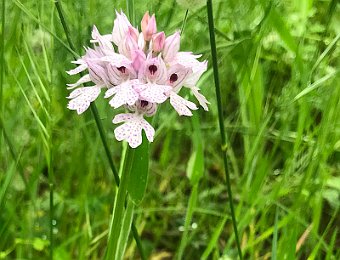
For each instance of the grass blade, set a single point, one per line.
(221, 121)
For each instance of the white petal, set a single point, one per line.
(116, 59)
(198, 70)
(131, 132)
(122, 118)
(83, 98)
(155, 93)
(75, 93)
(201, 99)
(80, 68)
(181, 105)
(110, 92)
(82, 80)
(79, 61)
(149, 130)
(124, 94)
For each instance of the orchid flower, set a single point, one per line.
(140, 71)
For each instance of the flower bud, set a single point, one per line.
(120, 28)
(148, 26)
(171, 47)
(129, 43)
(158, 41)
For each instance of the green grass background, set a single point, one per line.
(279, 73)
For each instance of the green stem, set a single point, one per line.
(221, 120)
(117, 217)
(101, 130)
(131, 11)
(105, 144)
(184, 21)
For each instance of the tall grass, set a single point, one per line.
(278, 68)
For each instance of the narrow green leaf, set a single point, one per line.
(125, 230)
(213, 241)
(138, 178)
(195, 168)
(315, 85)
(119, 209)
(275, 235)
(325, 52)
(331, 245)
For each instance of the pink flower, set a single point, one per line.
(148, 25)
(140, 71)
(187, 59)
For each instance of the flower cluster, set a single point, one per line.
(139, 71)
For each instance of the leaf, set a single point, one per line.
(139, 172)
(195, 168)
(315, 85)
(125, 230)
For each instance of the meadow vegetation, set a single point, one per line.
(279, 76)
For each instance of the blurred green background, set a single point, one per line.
(279, 72)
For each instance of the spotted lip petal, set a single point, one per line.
(123, 94)
(131, 129)
(81, 98)
(181, 105)
(154, 93)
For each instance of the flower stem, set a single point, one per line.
(221, 121)
(117, 217)
(101, 130)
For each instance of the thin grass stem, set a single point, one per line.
(184, 21)
(131, 11)
(221, 121)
